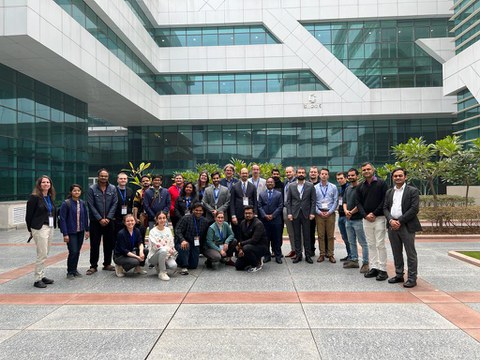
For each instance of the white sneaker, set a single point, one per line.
(119, 271)
(255, 269)
(140, 271)
(184, 271)
(163, 276)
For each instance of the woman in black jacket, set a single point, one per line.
(41, 219)
(188, 197)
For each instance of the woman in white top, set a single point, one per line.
(162, 251)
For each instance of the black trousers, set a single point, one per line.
(400, 239)
(96, 233)
(301, 226)
(252, 254)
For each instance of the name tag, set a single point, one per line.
(324, 205)
(124, 209)
(50, 221)
(340, 201)
(245, 201)
(196, 241)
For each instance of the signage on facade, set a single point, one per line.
(312, 103)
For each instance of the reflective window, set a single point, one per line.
(382, 53)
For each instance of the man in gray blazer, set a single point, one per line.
(242, 194)
(401, 208)
(216, 198)
(301, 202)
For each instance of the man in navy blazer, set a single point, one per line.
(270, 211)
(301, 203)
(401, 208)
(242, 194)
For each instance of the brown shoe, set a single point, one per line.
(109, 268)
(364, 269)
(291, 254)
(321, 258)
(332, 259)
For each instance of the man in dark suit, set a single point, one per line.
(216, 198)
(242, 194)
(270, 211)
(301, 202)
(401, 209)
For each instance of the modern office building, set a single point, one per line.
(92, 83)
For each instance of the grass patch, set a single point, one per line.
(473, 254)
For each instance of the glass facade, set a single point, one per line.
(383, 53)
(467, 124)
(44, 131)
(466, 21)
(181, 84)
(87, 18)
(214, 36)
(336, 144)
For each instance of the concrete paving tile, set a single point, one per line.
(243, 281)
(239, 297)
(464, 281)
(6, 334)
(380, 316)
(84, 317)
(74, 344)
(459, 314)
(14, 317)
(466, 296)
(476, 307)
(239, 316)
(434, 296)
(356, 297)
(235, 344)
(396, 344)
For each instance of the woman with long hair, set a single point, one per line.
(162, 251)
(74, 226)
(188, 197)
(202, 183)
(41, 220)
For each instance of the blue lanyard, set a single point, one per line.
(48, 203)
(244, 187)
(196, 226)
(132, 238)
(122, 195)
(215, 194)
(258, 183)
(324, 193)
(188, 200)
(220, 233)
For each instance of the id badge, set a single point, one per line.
(50, 221)
(196, 241)
(245, 201)
(187, 212)
(324, 205)
(124, 209)
(340, 201)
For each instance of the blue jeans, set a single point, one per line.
(342, 226)
(188, 258)
(74, 245)
(355, 231)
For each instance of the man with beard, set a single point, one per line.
(215, 199)
(301, 202)
(289, 179)
(243, 194)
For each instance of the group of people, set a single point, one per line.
(235, 221)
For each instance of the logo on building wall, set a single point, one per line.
(312, 103)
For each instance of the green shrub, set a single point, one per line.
(451, 216)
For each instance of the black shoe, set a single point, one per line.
(410, 283)
(278, 260)
(344, 258)
(371, 273)
(308, 259)
(382, 275)
(208, 264)
(396, 279)
(267, 259)
(297, 259)
(40, 284)
(47, 281)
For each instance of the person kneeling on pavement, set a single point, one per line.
(253, 243)
(190, 235)
(161, 252)
(219, 245)
(129, 252)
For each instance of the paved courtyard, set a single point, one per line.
(287, 311)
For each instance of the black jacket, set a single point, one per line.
(410, 207)
(37, 213)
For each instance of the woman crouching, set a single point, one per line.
(162, 251)
(129, 250)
